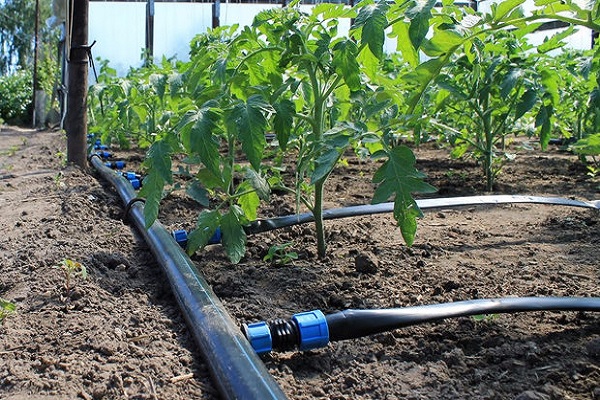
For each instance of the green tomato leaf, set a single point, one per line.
(542, 120)
(504, 8)
(373, 21)
(399, 178)
(234, 236)
(509, 81)
(285, 110)
(259, 184)
(403, 45)
(196, 130)
(152, 189)
(419, 26)
(251, 125)
(324, 164)
(249, 203)
(198, 193)
(526, 103)
(344, 61)
(588, 146)
(206, 226)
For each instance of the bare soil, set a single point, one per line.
(119, 334)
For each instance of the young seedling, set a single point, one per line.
(279, 255)
(71, 270)
(6, 308)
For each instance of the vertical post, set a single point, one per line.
(149, 32)
(77, 86)
(216, 14)
(36, 84)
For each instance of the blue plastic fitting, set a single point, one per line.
(135, 183)
(259, 336)
(103, 154)
(216, 237)
(130, 175)
(116, 164)
(180, 236)
(313, 329)
(100, 147)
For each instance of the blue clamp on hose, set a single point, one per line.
(259, 336)
(313, 329)
(130, 175)
(103, 154)
(180, 236)
(216, 237)
(100, 147)
(135, 183)
(116, 164)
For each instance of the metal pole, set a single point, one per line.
(35, 62)
(76, 119)
(216, 14)
(149, 32)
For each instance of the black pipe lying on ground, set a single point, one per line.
(237, 370)
(312, 329)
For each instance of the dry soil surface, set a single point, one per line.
(119, 334)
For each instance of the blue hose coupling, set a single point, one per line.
(115, 164)
(136, 183)
(305, 331)
(103, 154)
(314, 332)
(181, 237)
(100, 147)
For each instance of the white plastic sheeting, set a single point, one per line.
(119, 28)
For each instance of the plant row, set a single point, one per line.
(289, 87)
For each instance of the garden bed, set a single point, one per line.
(121, 334)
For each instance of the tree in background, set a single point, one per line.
(17, 46)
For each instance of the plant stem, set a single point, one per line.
(319, 185)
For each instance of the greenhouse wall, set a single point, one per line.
(119, 28)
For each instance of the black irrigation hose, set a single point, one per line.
(264, 225)
(310, 330)
(237, 370)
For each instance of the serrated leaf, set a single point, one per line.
(372, 18)
(555, 41)
(285, 110)
(399, 178)
(420, 7)
(152, 191)
(249, 202)
(588, 146)
(196, 130)
(324, 164)
(259, 184)
(251, 125)
(526, 103)
(198, 193)
(206, 226)
(542, 120)
(234, 236)
(344, 61)
(159, 83)
(509, 81)
(505, 7)
(419, 26)
(403, 45)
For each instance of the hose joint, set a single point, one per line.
(305, 331)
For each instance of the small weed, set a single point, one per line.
(6, 308)
(278, 254)
(71, 270)
(62, 157)
(485, 317)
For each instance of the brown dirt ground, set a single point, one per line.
(121, 335)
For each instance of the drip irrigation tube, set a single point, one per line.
(264, 225)
(237, 370)
(312, 329)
